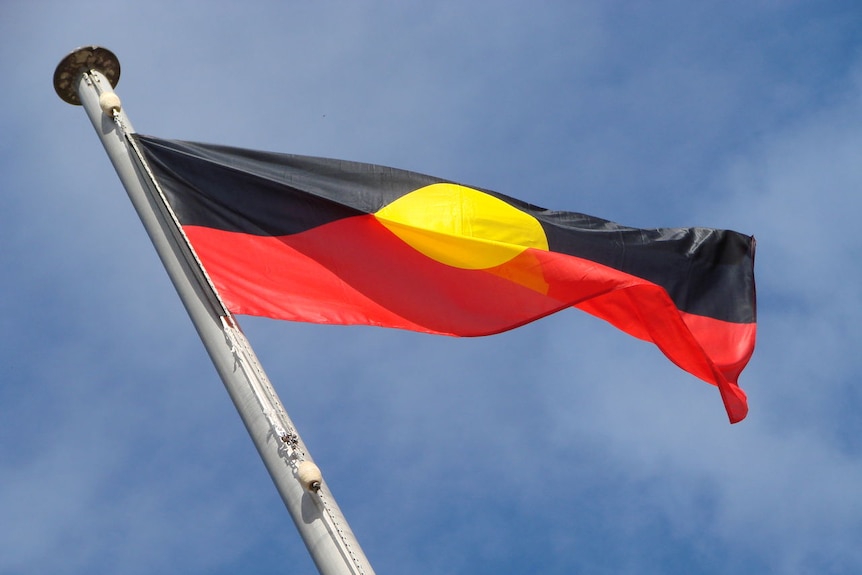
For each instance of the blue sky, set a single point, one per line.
(560, 447)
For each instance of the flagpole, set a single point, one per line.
(87, 77)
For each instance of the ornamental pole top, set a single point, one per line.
(80, 61)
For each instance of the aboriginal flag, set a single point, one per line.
(330, 241)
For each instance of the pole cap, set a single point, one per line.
(80, 61)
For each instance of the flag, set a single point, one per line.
(338, 242)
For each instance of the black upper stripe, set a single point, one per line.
(706, 271)
(264, 193)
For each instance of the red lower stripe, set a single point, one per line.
(354, 271)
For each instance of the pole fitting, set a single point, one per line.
(110, 104)
(79, 62)
(309, 475)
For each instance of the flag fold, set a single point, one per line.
(331, 241)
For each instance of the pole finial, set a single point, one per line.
(83, 60)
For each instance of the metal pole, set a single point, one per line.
(87, 77)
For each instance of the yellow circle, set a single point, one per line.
(462, 227)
